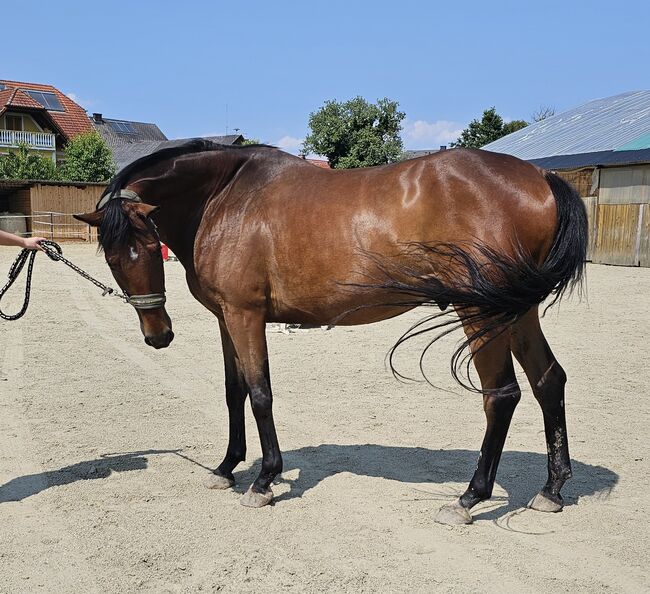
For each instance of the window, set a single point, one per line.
(122, 127)
(47, 100)
(14, 122)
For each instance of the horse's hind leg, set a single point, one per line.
(495, 368)
(547, 380)
(236, 392)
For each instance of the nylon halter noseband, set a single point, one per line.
(152, 300)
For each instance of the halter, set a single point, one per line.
(152, 300)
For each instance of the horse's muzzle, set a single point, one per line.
(160, 341)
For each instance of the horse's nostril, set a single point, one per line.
(147, 341)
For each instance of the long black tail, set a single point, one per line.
(489, 290)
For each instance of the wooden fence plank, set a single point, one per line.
(616, 234)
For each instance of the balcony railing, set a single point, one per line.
(35, 140)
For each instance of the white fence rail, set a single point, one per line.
(36, 140)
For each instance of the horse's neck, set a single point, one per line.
(182, 190)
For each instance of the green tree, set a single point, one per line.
(248, 141)
(513, 126)
(489, 128)
(25, 164)
(356, 133)
(87, 159)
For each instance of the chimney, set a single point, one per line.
(97, 118)
(443, 147)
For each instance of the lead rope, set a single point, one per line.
(54, 252)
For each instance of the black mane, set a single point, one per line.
(196, 145)
(115, 228)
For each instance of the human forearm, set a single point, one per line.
(23, 242)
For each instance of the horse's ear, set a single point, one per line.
(93, 219)
(140, 208)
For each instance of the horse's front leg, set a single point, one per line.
(236, 392)
(247, 331)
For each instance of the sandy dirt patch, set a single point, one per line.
(104, 443)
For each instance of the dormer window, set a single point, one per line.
(47, 100)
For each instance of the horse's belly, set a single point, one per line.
(340, 309)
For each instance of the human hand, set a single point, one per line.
(32, 243)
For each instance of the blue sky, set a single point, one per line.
(200, 68)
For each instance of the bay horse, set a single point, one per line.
(265, 236)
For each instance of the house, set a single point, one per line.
(603, 148)
(120, 132)
(40, 116)
(414, 154)
(322, 163)
(126, 153)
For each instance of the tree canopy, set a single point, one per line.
(356, 133)
(87, 159)
(489, 128)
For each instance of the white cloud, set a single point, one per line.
(85, 103)
(291, 144)
(421, 134)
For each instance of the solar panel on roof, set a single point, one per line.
(122, 127)
(47, 100)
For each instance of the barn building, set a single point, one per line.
(603, 148)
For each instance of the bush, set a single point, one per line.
(24, 164)
(87, 159)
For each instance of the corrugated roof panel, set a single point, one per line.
(600, 125)
(596, 159)
(642, 142)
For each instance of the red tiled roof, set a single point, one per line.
(319, 163)
(72, 121)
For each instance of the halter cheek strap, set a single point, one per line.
(152, 300)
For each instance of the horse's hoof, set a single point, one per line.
(542, 503)
(254, 499)
(216, 481)
(453, 515)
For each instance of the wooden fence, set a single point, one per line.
(48, 209)
(618, 233)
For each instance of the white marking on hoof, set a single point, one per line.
(453, 515)
(254, 499)
(544, 504)
(216, 481)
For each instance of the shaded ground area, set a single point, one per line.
(104, 442)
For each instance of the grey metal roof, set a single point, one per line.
(414, 154)
(601, 125)
(142, 131)
(596, 159)
(125, 154)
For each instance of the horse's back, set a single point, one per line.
(296, 235)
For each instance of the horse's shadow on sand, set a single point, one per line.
(521, 474)
(25, 486)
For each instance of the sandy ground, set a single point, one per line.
(104, 444)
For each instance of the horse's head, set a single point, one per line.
(131, 246)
